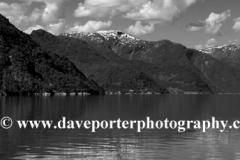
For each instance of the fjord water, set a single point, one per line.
(120, 144)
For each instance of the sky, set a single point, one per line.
(193, 23)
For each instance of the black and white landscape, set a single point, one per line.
(67, 66)
(111, 61)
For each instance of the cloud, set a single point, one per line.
(234, 41)
(212, 24)
(101, 8)
(236, 26)
(57, 28)
(213, 42)
(196, 26)
(15, 12)
(52, 11)
(90, 26)
(105, 8)
(35, 15)
(138, 29)
(50, 15)
(83, 11)
(210, 43)
(162, 10)
(144, 10)
(199, 47)
(30, 29)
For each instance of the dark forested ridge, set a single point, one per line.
(25, 68)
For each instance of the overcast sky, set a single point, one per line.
(194, 23)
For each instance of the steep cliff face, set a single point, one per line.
(26, 68)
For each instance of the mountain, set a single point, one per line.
(173, 76)
(26, 68)
(117, 72)
(224, 77)
(229, 54)
(109, 70)
(171, 64)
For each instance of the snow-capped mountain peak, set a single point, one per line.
(117, 34)
(229, 54)
(104, 35)
(222, 48)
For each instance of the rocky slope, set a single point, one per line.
(25, 68)
(229, 54)
(173, 65)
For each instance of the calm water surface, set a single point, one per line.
(120, 144)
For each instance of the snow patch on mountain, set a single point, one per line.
(223, 48)
(105, 35)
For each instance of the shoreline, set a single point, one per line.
(107, 94)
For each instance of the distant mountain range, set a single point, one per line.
(111, 61)
(176, 67)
